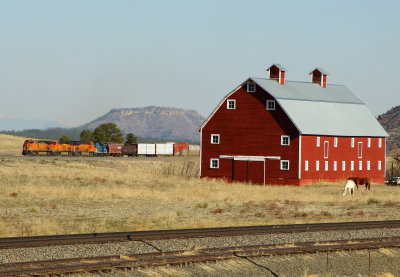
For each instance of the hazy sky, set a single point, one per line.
(73, 61)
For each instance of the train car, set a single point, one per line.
(114, 149)
(130, 149)
(146, 149)
(101, 149)
(36, 147)
(181, 148)
(165, 149)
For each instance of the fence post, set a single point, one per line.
(369, 262)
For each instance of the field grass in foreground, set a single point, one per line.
(46, 195)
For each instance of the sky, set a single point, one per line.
(73, 61)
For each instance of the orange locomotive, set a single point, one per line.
(34, 147)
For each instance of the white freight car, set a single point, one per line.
(164, 148)
(146, 149)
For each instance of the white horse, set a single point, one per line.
(349, 186)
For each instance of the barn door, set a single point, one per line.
(248, 171)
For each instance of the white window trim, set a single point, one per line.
(368, 165)
(305, 165)
(343, 165)
(326, 165)
(351, 165)
(369, 142)
(212, 141)
(335, 142)
(316, 165)
(352, 142)
(360, 153)
(211, 163)
(270, 101)
(248, 86)
(231, 101)
(380, 142)
(359, 165)
(318, 141)
(284, 161)
(379, 165)
(284, 136)
(334, 165)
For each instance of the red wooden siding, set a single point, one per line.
(250, 130)
(343, 152)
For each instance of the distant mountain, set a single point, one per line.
(154, 122)
(390, 121)
(18, 124)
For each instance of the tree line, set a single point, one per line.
(107, 132)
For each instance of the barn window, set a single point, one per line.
(335, 142)
(343, 165)
(359, 165)
(285, 140)
(270, 105)
(326, 149)
(285, 165)
(368, 165)
(214, 163)
(369, 142)
(318, 141)
(379, 165)
(352, 142)
(317, 165)
(380, 142)
(326, 165)
(334, 165)
(251, 87)
(214, 139)
(231, 104)
(352, 165)
(306, 165)
(360, 149)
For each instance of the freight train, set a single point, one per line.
(33, 147)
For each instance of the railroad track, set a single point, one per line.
(185, 257)
(35, 241)
(182, 255)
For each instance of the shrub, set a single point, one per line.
(259, 214)
(179, 213)
(372, 201)
(217, 211)
(202, 205)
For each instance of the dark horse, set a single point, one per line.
(361, 181)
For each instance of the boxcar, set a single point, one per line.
(130, 150)
(114, 149)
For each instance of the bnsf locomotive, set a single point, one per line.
(33, 147)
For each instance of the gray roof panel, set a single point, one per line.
(331, 111)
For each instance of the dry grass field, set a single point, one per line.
(49, 195)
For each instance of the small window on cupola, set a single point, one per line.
(270, 105)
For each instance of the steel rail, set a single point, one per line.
(183, 257)
(34, 241)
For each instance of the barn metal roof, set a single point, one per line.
(331, 111)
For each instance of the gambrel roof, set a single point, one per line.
(314, 110)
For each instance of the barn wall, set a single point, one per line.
(343, 152)
(249, 130)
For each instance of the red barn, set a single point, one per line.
(272, 131)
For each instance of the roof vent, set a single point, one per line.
(319, 76)
(277, 72)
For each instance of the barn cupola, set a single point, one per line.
(277, 72)
(318, 76)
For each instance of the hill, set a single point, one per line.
(19, 124)
(390, 121)
(153, 122)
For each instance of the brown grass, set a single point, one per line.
(46, 195)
